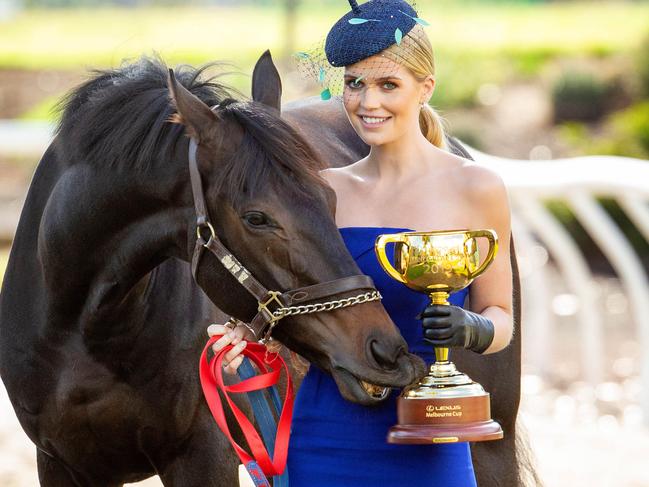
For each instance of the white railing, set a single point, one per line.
(577, 182)
(24, 140)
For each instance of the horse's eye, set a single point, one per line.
(257, 219)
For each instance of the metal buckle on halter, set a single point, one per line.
(204, 224)
(233, 322)
(266, 339)
(268, 315)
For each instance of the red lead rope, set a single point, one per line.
(211, 373)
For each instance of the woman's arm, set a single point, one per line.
(490, 294)
(486, 326)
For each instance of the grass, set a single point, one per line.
(38, 39)
(474, 42)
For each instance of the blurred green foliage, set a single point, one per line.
(623, 133)
(528, 33)
(631, 129)
(469, 137)
(579, 96)
(474, 41)
(642, 63)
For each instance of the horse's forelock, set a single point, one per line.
(271, 152)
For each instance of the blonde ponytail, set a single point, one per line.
(416, 53)
(433, 126)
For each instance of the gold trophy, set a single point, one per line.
(446, 406)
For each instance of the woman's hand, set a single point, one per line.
(233, 358)
(452, 326)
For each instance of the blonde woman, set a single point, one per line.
(409, 181)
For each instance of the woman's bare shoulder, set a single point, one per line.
(477, 183)
(481, 179)
(465, 172)
(485, 189)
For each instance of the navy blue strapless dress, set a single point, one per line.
(338, 443)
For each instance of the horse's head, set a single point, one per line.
(271, 209)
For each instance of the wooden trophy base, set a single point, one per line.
(421, 434)
(444, 407)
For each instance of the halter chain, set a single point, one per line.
(328, 305)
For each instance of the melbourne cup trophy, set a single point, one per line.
(446, 406)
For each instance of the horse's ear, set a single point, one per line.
(266, 84)
(195, 115)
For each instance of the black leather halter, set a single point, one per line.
(285, 303)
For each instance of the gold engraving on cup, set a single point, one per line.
(444, 411)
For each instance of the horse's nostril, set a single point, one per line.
(385, 357)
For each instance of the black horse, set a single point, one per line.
(101, 324)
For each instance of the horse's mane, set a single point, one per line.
(270, 148)
(121, 118)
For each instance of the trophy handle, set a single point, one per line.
(491, 236)
(379, 247)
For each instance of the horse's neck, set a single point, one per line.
(23, 296)
(326, 126)
(121, 233)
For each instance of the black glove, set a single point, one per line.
(452, 326)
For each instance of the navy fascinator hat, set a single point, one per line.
(364, 31)
(368, 29)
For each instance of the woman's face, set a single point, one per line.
(383, 99)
